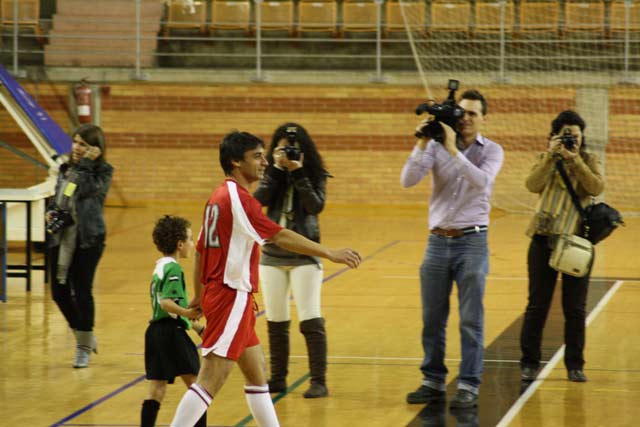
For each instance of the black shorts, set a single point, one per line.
(168, 351)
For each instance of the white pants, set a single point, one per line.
(304, 282)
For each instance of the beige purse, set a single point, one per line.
(572, 255)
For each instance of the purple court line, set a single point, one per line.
(141, 377)
(97, 402)
(345, 269)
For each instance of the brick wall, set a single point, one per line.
(163, 138)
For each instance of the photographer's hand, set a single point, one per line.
(295, 164)
(282, 161)
(449, 139)
(279, 158)
(92, 152)
(421, 143)
(557, 148)
(568, 154)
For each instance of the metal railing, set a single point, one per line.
(503, 50)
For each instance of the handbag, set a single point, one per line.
(602, 219)
(572, 255)
(598, 219)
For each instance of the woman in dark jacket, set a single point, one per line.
(293, 190)
(75, 223)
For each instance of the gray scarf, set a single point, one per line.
(68, 235)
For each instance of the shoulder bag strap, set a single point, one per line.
(572, 192)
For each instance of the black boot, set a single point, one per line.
(316, 338)
(279, 351)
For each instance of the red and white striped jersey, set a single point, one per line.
(232, 227)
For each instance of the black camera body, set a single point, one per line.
(292, 152)
(568, 140)
(60, 219)
(449, 112)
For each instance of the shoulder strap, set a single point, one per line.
(572, 192)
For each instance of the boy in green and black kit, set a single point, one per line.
(168, 350)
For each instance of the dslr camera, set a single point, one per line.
(568, 140)
(448, 112)
(60, 219)
(292, 152)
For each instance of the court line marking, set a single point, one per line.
(489, 277)
(412, 359)
(522, 400)
(402, 359)
(142, 377)
(415, 277)
(97, 402)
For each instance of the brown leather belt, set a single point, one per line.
(452, 233)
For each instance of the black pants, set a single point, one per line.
(542, 282)
(75, 298)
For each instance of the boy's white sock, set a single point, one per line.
(261, 406)
(194, 403)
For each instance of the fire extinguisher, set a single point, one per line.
(83, 102)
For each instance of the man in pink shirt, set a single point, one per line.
(464, 167)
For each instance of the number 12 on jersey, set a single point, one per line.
(211, 215)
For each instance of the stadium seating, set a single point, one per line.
(317, 16)
(539, 17)
(359, 16)
(450, 16)
(231, 15)
(277, 15)
(617, 22)
(415, 11)
(488, 17)
(581, 16)
(180, 17)
(28, 15)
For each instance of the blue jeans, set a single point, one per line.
(466, 260)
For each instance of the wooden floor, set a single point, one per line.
(373, 321)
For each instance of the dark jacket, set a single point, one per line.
(308, 202)
(93, 181)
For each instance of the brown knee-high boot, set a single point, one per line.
(316, 338)
(279, 352)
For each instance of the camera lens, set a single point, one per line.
(568, 140)
(292, 152)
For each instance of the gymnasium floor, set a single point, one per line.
(373, 321)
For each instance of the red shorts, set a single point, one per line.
(231, 321)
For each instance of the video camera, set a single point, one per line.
(568, 140)
(291, 150)
(449, 112)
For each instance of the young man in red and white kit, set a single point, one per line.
(226, 264)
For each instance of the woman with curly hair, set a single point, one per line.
(293, 190)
